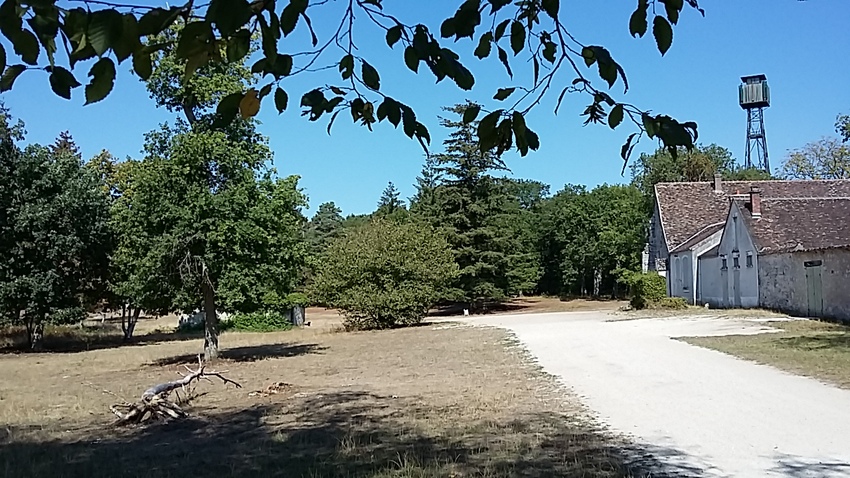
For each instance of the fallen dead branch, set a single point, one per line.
(155, 402)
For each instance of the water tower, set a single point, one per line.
(754, 96)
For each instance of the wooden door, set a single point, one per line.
(814, 288)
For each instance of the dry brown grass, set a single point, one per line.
(806, 347)
(429, 401)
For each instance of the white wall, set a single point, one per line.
(711, 284)
(680, 275)
(738, 284)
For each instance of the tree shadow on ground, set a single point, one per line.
(85, 339)
(251, 353)
(797, 467)
(352, 434)
(838, 341)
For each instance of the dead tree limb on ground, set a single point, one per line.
(155, 402)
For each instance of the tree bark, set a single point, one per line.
(210, 322)
(35, 334)
(129, 318)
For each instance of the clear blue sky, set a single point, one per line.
(798, 45)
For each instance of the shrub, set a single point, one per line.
(384, 274)
(646, 288)
(669, 303)
(268, 321)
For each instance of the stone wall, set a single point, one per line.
(783, 283)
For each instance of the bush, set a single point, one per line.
(267, 321)
(647, 288)
(384, 274)
(669, 303)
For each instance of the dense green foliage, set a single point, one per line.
(204, 223)
(384, 274)
(647, 289)
(259, 321)
(699, 164)
(589, 237)
(54, 236)
(214, 35)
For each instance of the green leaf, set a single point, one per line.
(290, 14)
(128, 42)
(62, 81)
(536, 69)
(485, 44)
(238, 45)
(673, 7)
(626, 149)
(520, 132)
(143, 64)
(104, 30)
(281, 99)
(532, 139)
(637, 22)
(503, 93)
(102, 76)
(500, 29)
(227, 109)
(663, 33)
(393, 35)
(503, 57)
(229, 15)
(648, 125)
(615, 117)
(157, 20)
(282, 66)
(370, 76)
(411, 59)
(346, 66)
(517, 37)
(2, 58)
(551, 8)
(26, 46)
(195, 38)
(487, 135)
(470, 113)
(549, 51)
(10, 75)
(265, 90)
(408, 121)
(447, 28)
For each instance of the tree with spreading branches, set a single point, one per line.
(58, 38)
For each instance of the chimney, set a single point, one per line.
(718, 180)
(755, 201)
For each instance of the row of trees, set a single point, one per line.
(200, 222)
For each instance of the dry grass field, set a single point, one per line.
(806, 347)
(427, 401)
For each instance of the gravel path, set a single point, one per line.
(698, 411)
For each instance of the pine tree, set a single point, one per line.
(469, 206)
(389, 202)
(65, 144)
(324, 227)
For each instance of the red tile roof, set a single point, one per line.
(790, 225)
(688, 208)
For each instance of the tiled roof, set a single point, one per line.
(688, 208)
(790, 225)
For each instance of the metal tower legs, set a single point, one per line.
(756, 140)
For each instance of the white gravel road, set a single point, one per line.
(699, 412)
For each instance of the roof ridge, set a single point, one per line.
(727, 181)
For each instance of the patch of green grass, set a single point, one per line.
(805, 347)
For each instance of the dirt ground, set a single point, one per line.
(427, 401)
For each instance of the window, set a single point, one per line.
(723, 265)
(749, 258)
(735, 259)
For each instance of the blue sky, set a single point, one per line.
(798, 45)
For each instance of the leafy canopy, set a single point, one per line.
(528, 32)
(384, 273)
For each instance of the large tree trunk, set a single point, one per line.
(210, 322)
